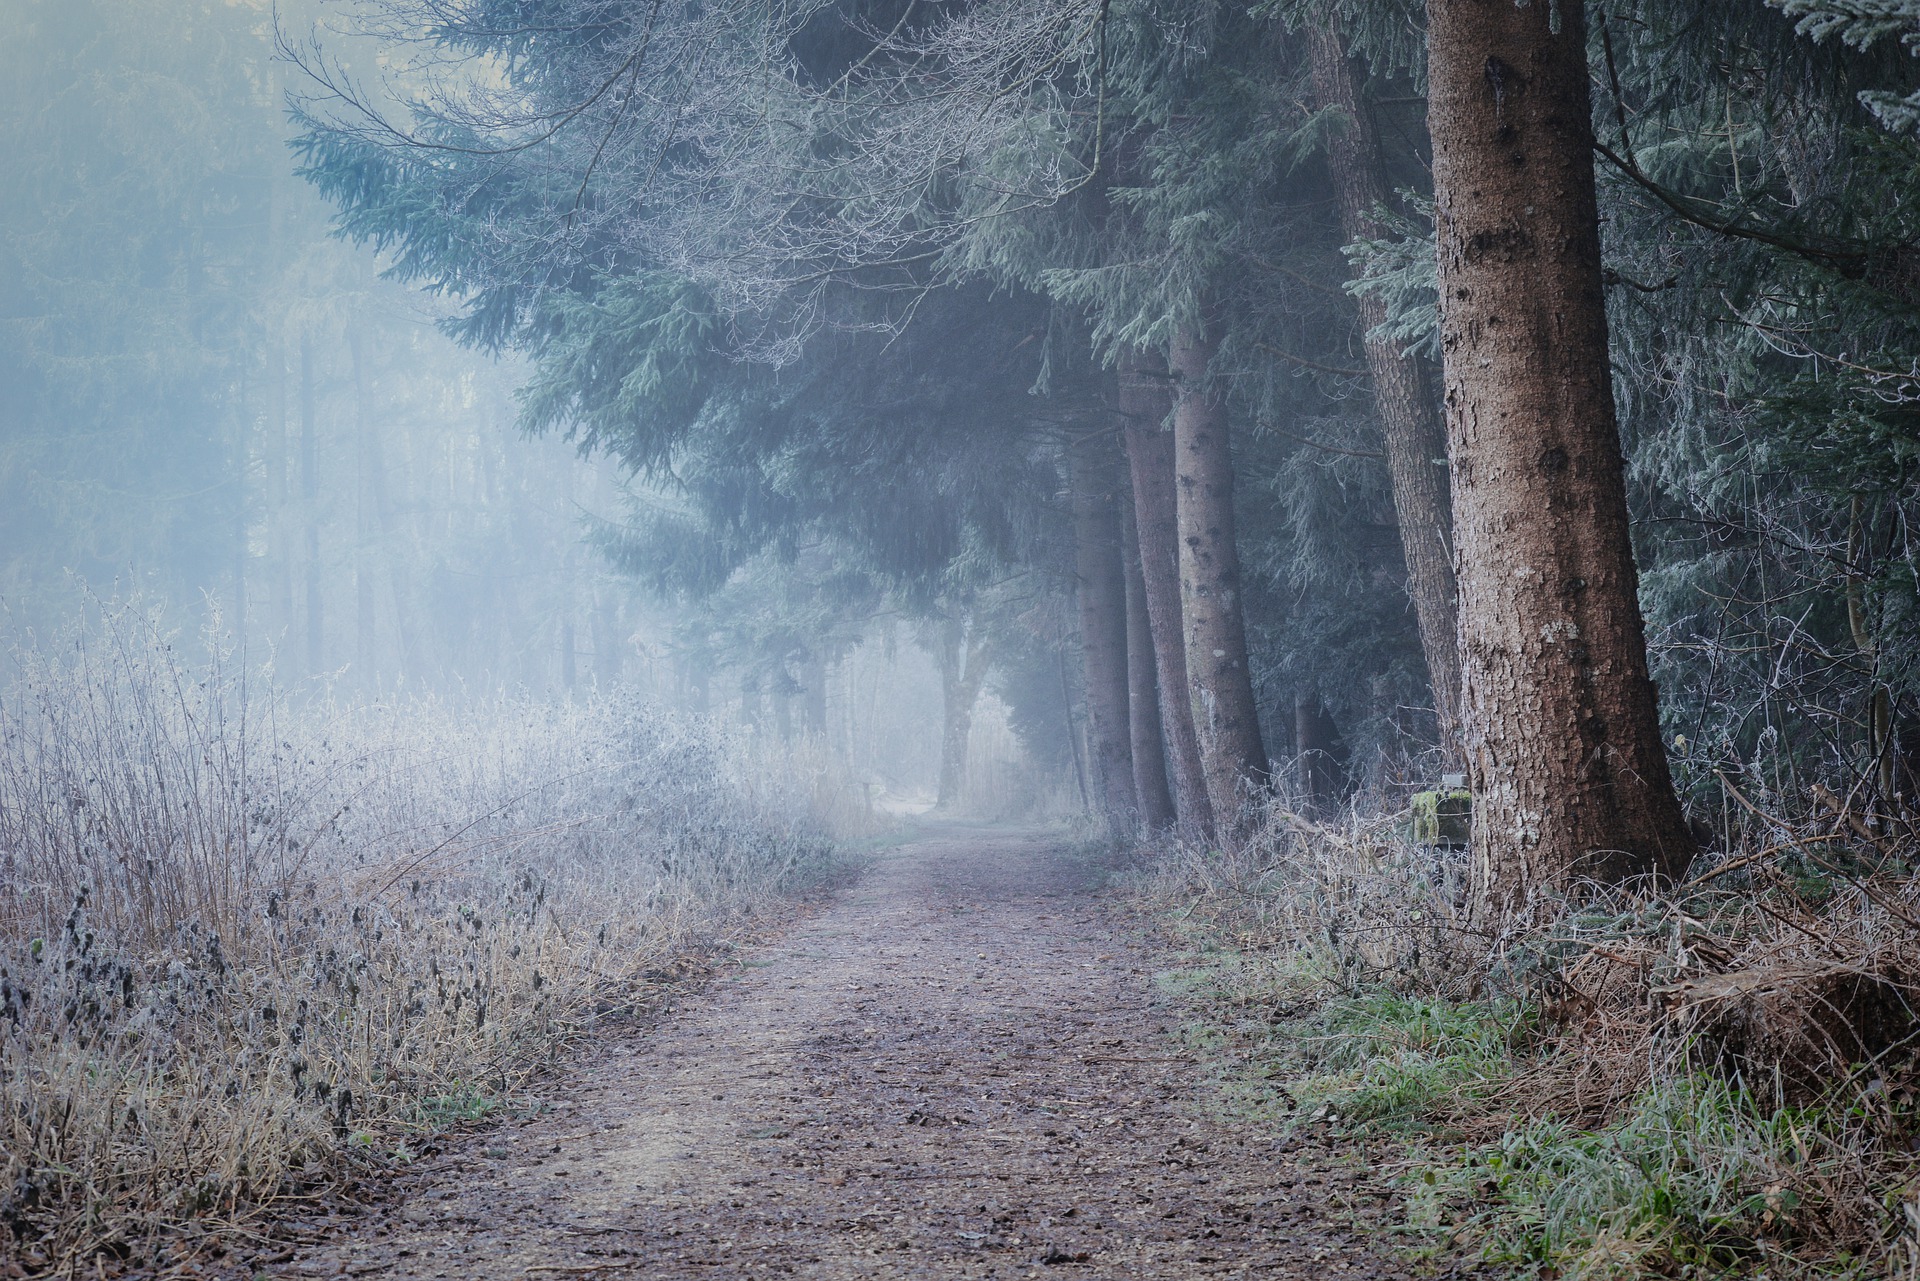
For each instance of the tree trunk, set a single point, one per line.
(814, 697)
(1145, 402)
(1093, 467)
(1073, 734)
(1881, 748)
(608, 650)
(696, 675)
(782, 713)
(1562, 730)
(380, 530)
(1319, 752)
(963, 670)
(1411, 426)
(310, 504)
(1220, 687)
(609, 635)
(363, 517)
(279, 553)
(242, 470)
(1143, 688)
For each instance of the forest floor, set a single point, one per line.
(957, 1065)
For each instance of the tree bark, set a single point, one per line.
(376, 526)
(1146, 400)
(310, 504)
(1143, 688)
(1562, 731)
(1316, 742)
(608, 651)
(1220, 687)
(1073, 735)
(964, 659)
(279, 552)
(1093, 470)
(363, 518)
(814, 696)
(1411, 426)
(242, 470)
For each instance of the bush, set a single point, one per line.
(241, 939)
(1715, 1078)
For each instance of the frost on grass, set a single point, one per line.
(1720, 1078)
(240, 938)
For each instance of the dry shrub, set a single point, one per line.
(239, 939)
(1722, 1071)
(1352, 907)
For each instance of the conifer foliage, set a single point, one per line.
(1163, 307)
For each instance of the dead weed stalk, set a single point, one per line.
(241, 941)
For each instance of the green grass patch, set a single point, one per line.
(1695, 1178)
(1387, 1060)
(462, 1105)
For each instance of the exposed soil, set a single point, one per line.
(959, 1067)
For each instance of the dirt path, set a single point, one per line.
(959, 1068)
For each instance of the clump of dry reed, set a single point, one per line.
(239, 939)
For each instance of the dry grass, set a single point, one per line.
(1713, 1079)
(240, 941)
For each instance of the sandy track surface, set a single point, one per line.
(957, 1068)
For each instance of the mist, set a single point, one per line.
(218, 410)
(714, 542)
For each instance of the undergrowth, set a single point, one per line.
(1714, 1080)
(243, 942)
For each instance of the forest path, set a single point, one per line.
(959, 1067)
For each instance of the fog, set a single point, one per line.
(217, 410)
(501, 498)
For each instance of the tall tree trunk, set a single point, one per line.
(1143, 688)
(782, 713)
(608, 650)
(242, 471)
(310, 504)
(1569, 774)
(569, 589)
(1093, 470)
(363, 519)
(377, 522)
(696, 676)
(279, 553)
(1146, 400)
(1073, 735)
(1881, 748)
(814, 696)
(1316, 743)
(1411, 425)
(964, 659)
(1221, 688)
(609, 636)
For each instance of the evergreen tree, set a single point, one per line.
(1569, 772)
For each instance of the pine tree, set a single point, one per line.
(1411, 425)
(1146, 406)
(1569, 772)
(1219, 684)
(1100, 587)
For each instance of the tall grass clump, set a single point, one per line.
(1717, 1078)
(241, 939)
